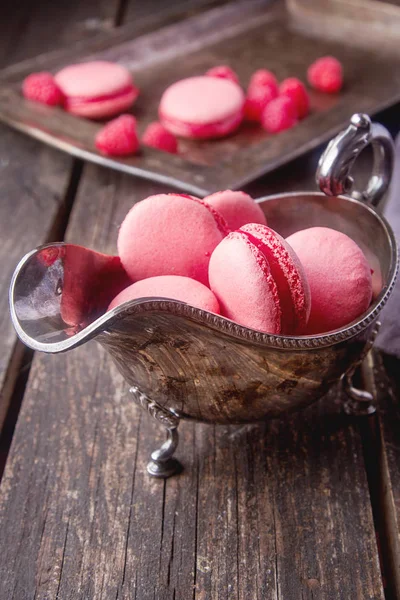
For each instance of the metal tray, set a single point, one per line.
(246, 35)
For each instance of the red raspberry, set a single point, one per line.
(326, 75)
(296, 90)
(258, 96)
(279, 114)
(118, 137)
(264, 77)
(48, 256)
(157, 136)
(223, 72)
(41, 87)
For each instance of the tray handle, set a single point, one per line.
(334, 167)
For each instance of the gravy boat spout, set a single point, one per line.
(59, 295)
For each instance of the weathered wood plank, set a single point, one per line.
(297, 497)
(35, 181)
(385, 384)
(33, 186)
(29, 28)
(165, 13)
(267, 511)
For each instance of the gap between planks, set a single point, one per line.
(20, 363)
(378, 476)
(18, 369)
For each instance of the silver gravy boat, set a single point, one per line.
(185, 363)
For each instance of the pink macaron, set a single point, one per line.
(96, 89)
(175, 287)
(338, 274)
(259, 281)
(170, 234)
(237, 208)
(202, 107)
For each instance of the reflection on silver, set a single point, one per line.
(333, 174)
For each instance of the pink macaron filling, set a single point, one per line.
(289, 276)
(129, 90)
(241, 279)
(96, 109)
(202, 131)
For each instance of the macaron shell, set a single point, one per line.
(98, 109)
(170, 234)
(96, 89)
(338, 274)
(241, 280)
(202, 106)
(237, 208)
(170, 286)
(289, 276)
(92, 79)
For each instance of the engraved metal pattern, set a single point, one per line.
(163, 416)
(162, 464)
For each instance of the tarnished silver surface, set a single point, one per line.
(162, 463)
(184, 362)
(360, 402)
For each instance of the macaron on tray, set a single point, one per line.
(207, 106)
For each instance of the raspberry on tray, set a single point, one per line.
(279, 114)
(118, 137)
(41, 87)
(223, 72)
(296, 90)
(156, 136)
(326, 75)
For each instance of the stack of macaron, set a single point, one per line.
(207, 106)
(219, 254)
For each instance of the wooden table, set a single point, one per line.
(303, 509)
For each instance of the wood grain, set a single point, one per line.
(33, 185)
(276, 511)
(136, 10)
(272, 511)
(383, 382)
(30, 28)
(35, 180)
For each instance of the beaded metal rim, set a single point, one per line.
(244, 333)
(217, 322)
(214, 321)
